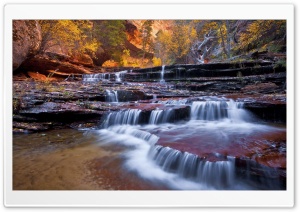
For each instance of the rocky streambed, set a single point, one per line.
(40, 105)
(194, 122)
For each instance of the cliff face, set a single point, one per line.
(133, 28)
(27, 37)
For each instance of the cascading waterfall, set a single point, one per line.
(120, 75)
(237, 113)
(217, 110)
(111, 96)
(151, 158)
(180, 170)
(162, 73)
(161, 116)
(173, 102)
(129, 117)
(218, 174)
(209, 110)
(95, 77)
(145, 136)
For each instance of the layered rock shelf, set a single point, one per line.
(257, 84)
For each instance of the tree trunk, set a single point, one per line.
(223, 42)
(228, 39)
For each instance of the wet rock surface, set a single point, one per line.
(86, 104)
(74, 100)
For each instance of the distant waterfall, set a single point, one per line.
(162, 73)
(111, 96)
(120, 76)
(95, 77)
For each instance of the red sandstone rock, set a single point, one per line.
(27, 37)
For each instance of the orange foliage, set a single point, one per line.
(110, 63)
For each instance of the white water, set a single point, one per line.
(162, 73)
(161, 116)
(214, 125)
(120, 75)
(138, 160)
(219, 174)
(111, 96)
(173, 102)
(95, 77)
(218, 110)
(130, 117)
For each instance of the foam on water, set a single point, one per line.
(111, 96)
(124, 117)
(214, 125)
(137, 158)
(161, 116)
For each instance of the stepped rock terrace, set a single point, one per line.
(209, 126)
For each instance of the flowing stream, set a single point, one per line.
(186, 144)
(204, 152)
(197, 154)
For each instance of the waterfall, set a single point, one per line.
(95, 77)
(151, 139)
(162, 73)
(218, 110)
(161, 116)
(237, 113)
(130, 117)
(120, 75)
(173, 102)
(209, 110)
(111, 96)
(218, 174)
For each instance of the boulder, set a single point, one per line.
(27, 37)
(42, 64)
(100, 57)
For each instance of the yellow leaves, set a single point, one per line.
(181, 40)
(156, 61)
(71, 35)
(110, 63)
(261, 32)
(124, 58)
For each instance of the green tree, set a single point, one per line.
(111, 34)
(146, 36)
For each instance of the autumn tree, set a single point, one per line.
(216, 38)
(207, 39)
(73, 36)
(173, 46)
(183, 35)
(263, 34)
(162, 46)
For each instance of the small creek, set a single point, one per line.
(208, 143)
